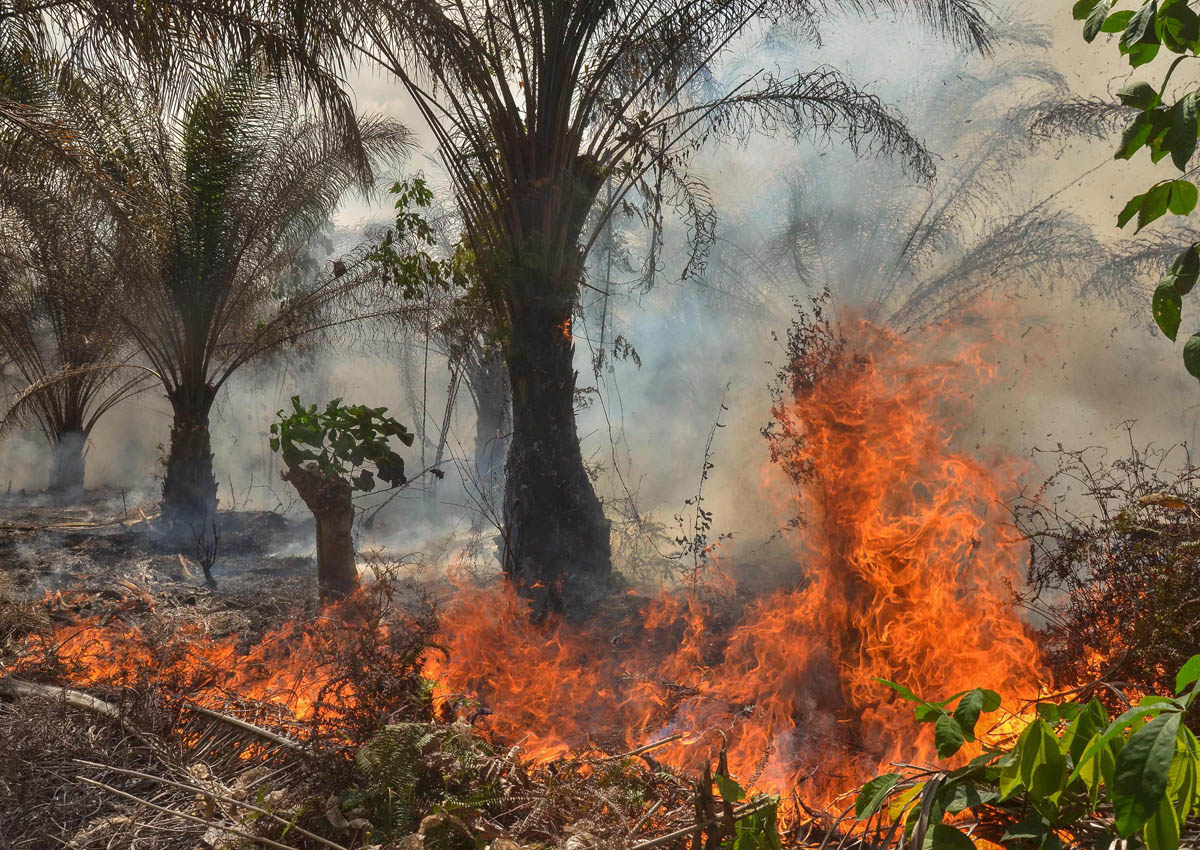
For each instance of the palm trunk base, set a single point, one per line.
(67, 464)
(189, 489)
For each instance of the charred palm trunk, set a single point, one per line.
(493, 422)
(556, 541)
(333, 512)
(67, 462)
(190, 488)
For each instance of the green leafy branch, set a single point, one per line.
(402, 257)
(340, 440)
(1071, 772)
(1162, 128)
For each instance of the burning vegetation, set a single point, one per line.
(918, 657)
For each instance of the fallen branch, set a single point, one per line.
(246, 726)
(645, 748)
(18, 688)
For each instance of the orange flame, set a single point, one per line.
(904, 570)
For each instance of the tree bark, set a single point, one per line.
(556, 545)
(493, 421)
(189, 487)
(333, 511)
(67, 463)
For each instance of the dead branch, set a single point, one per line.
(246, 726)
(183, 815)
(18, 688)
(221, 797)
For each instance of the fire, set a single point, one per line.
(903, 568)
(904, 564)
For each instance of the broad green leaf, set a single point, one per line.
(1180, 139)
(872, 795)
(1117, 21)
(1083, 8)
(1155, 206)
(1140, 94)
(942, 836)
(1168, 306)
(1191, 355)
(966, 713)
(1141, 28)
(1162, 829)
(1190, 671)
(730, 790)
(1178, 27)
(947, 736)
(900, 689)
(969, 795)
(1185, 270)
(1043, 765)
(1144, 127)
(1140, 780)
(899, 805)
(1131, 209)
(1095, 20)
(1183, 195)
(1009, 780)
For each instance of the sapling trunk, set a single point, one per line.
(328, 497)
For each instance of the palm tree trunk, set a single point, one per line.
(189, 487)
(556, 546)
(493, 421)
(67, 462)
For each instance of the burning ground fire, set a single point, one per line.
(904, 565)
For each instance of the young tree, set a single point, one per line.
(322, 450)
(538, 105)
(1164, 124)
(219, 193)
(59, 316)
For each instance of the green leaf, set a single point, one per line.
(872, 795)
(1117, 21)
(1190, 671)
(899, 805)
(1141, 29)
(1083, 8)
(1131, 209)
(942, 836)
(1154, 207)
(1191, 355)
(1162, 830)
(947, 736)
(966, 713)
(1140, 780)
(1183, 195)
(1043, 765)
(1168, 307)
(900, 689)
(730, 790)
(1140, 94)
(1095, 20)
(1185, 270)
(1178, 26)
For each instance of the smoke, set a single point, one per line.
(1074, 373)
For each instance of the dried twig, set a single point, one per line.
(223, 798)
(185, 816)
(246, 726)
(739, 812)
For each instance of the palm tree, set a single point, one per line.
(538, 104)
(59, 316)
(219, 188)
